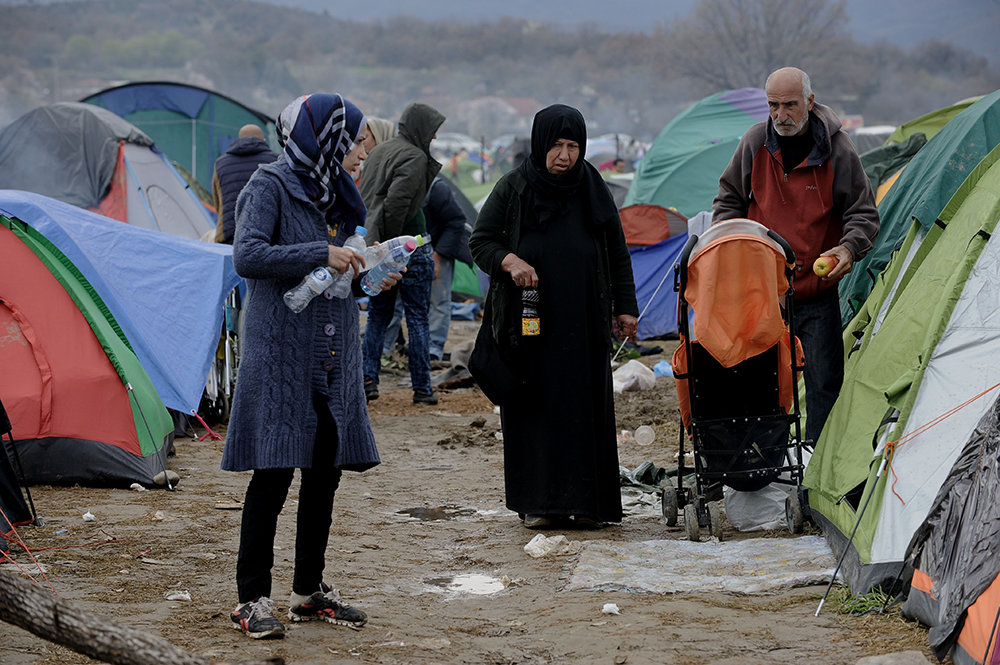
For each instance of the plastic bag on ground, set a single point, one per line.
(542, 545)
(633, 375)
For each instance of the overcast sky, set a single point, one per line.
(970, 23)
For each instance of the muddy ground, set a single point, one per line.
(432, 512)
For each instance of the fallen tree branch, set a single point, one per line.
(34, 609)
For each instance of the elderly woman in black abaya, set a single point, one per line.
(551, 241)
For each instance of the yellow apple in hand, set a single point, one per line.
(824, 265)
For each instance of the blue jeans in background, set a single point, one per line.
(817, 325)
(415, 291)
(440, 314)
(439, 317)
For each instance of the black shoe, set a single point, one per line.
(371, 391)
(538, 522)
(327, 605)
(583, 522)
(420, 397)
(256, 619)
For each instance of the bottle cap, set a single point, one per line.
(360, 230)
(410, 245)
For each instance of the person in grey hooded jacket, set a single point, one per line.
(395, 181)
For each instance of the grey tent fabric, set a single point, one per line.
(881, 163)
(66, 151)
(953, 545)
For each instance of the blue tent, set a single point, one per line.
(166, 293)
(653, 272)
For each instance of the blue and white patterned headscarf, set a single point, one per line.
(317, 131)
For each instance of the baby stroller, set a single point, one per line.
(737, 372)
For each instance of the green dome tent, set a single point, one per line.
(681, 169)
(924, 344)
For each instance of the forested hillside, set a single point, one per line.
(264, 55)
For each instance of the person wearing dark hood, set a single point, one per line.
(550, 238)
(396, 178)
(232, 171)
(799, 174)
(299, 402)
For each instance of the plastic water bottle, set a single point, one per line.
(395, 261)
(341, 287)
(313, 284)
(376, 253)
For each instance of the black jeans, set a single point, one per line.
(817, 325)
(265, 498)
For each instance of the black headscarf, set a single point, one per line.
(550, 193)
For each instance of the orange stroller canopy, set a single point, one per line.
(736, 285)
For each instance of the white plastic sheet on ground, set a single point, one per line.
(753, 566)
(633, 375)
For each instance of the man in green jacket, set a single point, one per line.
(395, 181)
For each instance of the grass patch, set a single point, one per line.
(859, 604)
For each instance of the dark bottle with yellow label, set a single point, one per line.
(530, 323)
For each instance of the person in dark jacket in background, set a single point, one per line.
(799, 174)
(232, 171)
(449, 229)
(393, 183)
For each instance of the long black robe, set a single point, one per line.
(560, 448)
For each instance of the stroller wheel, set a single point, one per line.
(793, 513)
(715, 520)
(668, 505)
(691, 526)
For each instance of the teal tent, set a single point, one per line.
(681, 169)
(191, 125)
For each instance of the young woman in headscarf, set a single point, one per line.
(379, 131)
(551, 225)
(299, 401)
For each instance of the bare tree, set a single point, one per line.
(737, 43)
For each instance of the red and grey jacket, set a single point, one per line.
(822, 202)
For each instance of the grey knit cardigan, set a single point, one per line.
(287, 357)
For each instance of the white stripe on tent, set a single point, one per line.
(963, 364)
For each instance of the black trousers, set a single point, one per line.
(264, 500)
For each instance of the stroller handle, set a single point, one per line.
(785, 247)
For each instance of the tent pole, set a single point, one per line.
(166, 477)
(850, 540)
(651, 298)
(5, 428)
(993, 633)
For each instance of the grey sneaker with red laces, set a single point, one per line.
(326, 605)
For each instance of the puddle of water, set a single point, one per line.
(437, 513)
(474, 583)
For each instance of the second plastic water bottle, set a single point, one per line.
(341, 287)
(376, 253)
(395, 261)
(313, 284)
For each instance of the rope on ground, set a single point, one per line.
(209, 434)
